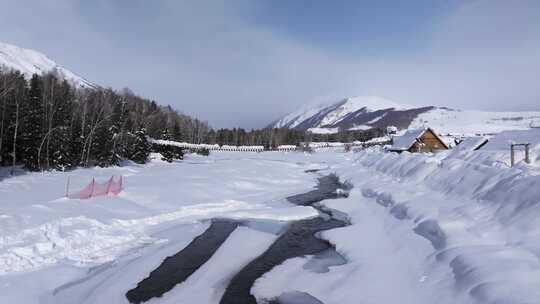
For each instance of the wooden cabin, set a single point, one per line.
(420, 140)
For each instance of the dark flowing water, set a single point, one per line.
(177, 268)
(298, 240)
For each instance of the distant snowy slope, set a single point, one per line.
(475, 122)
(365, 112)
(354, 104)
(355, 113)
(293, 119)
(31, 62)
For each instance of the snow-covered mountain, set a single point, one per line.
(365, 112)
(31, 62)
(361, 112)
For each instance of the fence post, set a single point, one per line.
(109, 183)
(67, 186)
(527, 158)
(511, 155)
(92, 188)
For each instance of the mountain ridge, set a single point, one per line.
(361, 112)
(29, 62)
(366, 112)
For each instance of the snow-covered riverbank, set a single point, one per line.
(429, 229)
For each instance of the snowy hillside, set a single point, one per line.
(31, 62)
(351, 113)
(475, 122)
(365, 112)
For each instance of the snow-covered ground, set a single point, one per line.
(43, 234)
(424, 229)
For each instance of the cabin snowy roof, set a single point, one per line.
(405, 141)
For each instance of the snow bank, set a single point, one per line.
(502, 142)
(481, 221)
(378, 268)
(437, 228)
(496, 151)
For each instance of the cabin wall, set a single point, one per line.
(429, 143)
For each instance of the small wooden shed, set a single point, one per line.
(419, 140)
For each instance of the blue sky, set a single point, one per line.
(247, 62)
(355, 27)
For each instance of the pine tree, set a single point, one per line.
(60, 139)
(176, 132)
(140, 148)
(166, 151)
(103, 147)
(31, 131)
(61, 158)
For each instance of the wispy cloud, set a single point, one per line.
(208, 59)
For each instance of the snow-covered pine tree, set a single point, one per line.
(140, 149)
(166, 151)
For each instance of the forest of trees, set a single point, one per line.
(271, 138)
(47, 123)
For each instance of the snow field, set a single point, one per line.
(443, 228)
(108, 282)
(43, 233)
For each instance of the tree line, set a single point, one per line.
(47, 123)
(272, 138)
